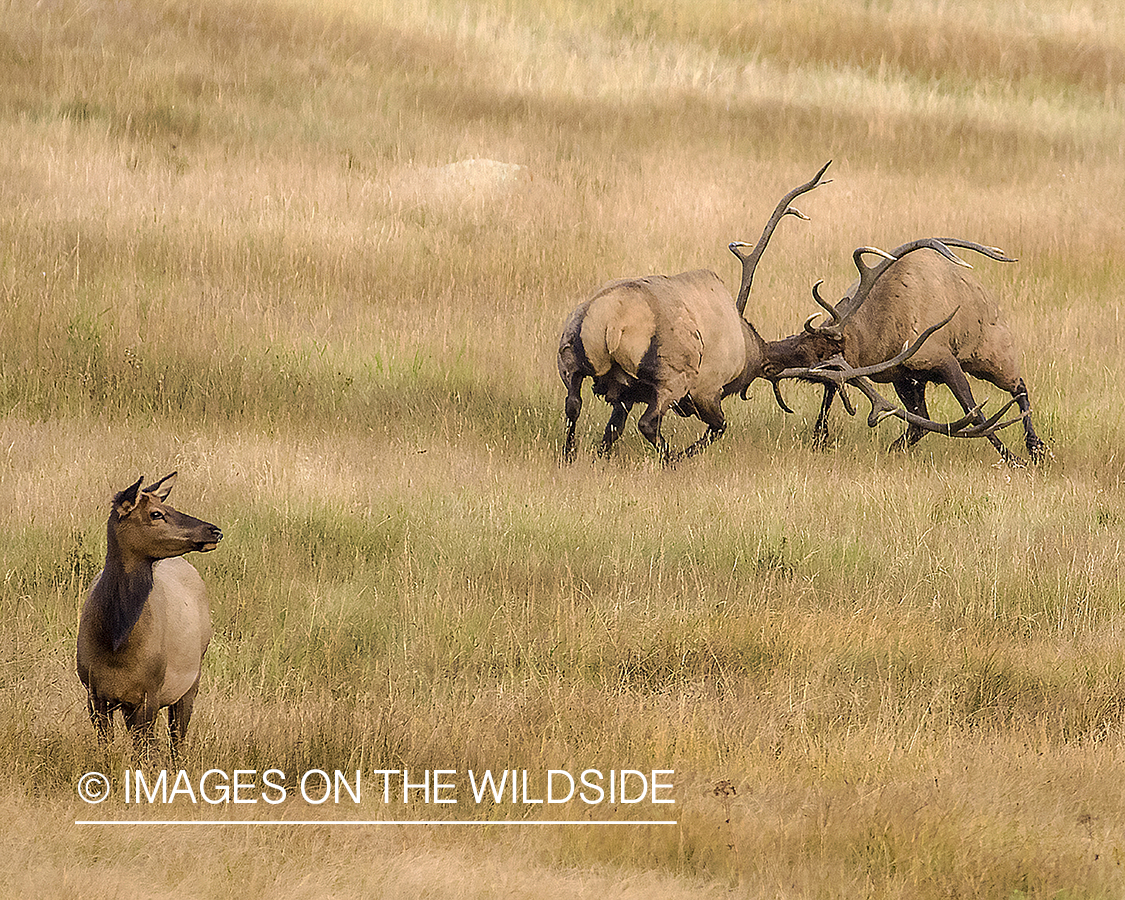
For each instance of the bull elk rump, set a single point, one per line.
(681, 342)
(914, 284)
(146, 623)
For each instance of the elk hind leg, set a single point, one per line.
(711, 412)
(614, 427)
(621, 397)
(573, 410)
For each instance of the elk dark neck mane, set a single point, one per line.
(125, 592)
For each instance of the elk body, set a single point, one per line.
(914, 285)
(675, 342)
(146, 622)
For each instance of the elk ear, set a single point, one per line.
(124, 502)
(162, 488)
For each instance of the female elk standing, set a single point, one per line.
(146, 624)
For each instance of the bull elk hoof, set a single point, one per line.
(1039, 452)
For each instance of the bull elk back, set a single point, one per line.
(146, 622)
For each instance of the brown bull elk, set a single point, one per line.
(912, 285)
(671, 342)
(146, 623)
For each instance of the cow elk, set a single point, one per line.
(914, 284)
(146, 623)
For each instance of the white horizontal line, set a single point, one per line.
(371, 822)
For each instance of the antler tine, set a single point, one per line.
(991, 252)
(750, 260)
(992, 423)
(824, 304)
(868, 275)
(968, 426)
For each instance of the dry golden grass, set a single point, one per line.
(246, 240)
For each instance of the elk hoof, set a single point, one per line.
(1039, 451)
(821, 440)
(899, 445)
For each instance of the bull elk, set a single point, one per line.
(146, 623)
(917, 283)
(680, 342)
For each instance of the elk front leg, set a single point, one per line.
(820, 429)
(954, 377)
(1036, 448)
(102, 717)
(912, 392)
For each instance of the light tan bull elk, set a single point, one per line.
(671, 342)
(146, 623)
(917, 283)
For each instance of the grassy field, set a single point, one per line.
(317, 257)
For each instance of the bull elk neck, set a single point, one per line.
(146, 622)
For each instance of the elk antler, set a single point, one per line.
(973, 424)
(750, 260)
(838, 372)
(868, 275)
(834, 325)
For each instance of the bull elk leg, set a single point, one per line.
(953, 376)
(1036, 448)
(573, 409)
(820, 429)
(614, 426)
(711, 412)
(912, 393)
(650, 422)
